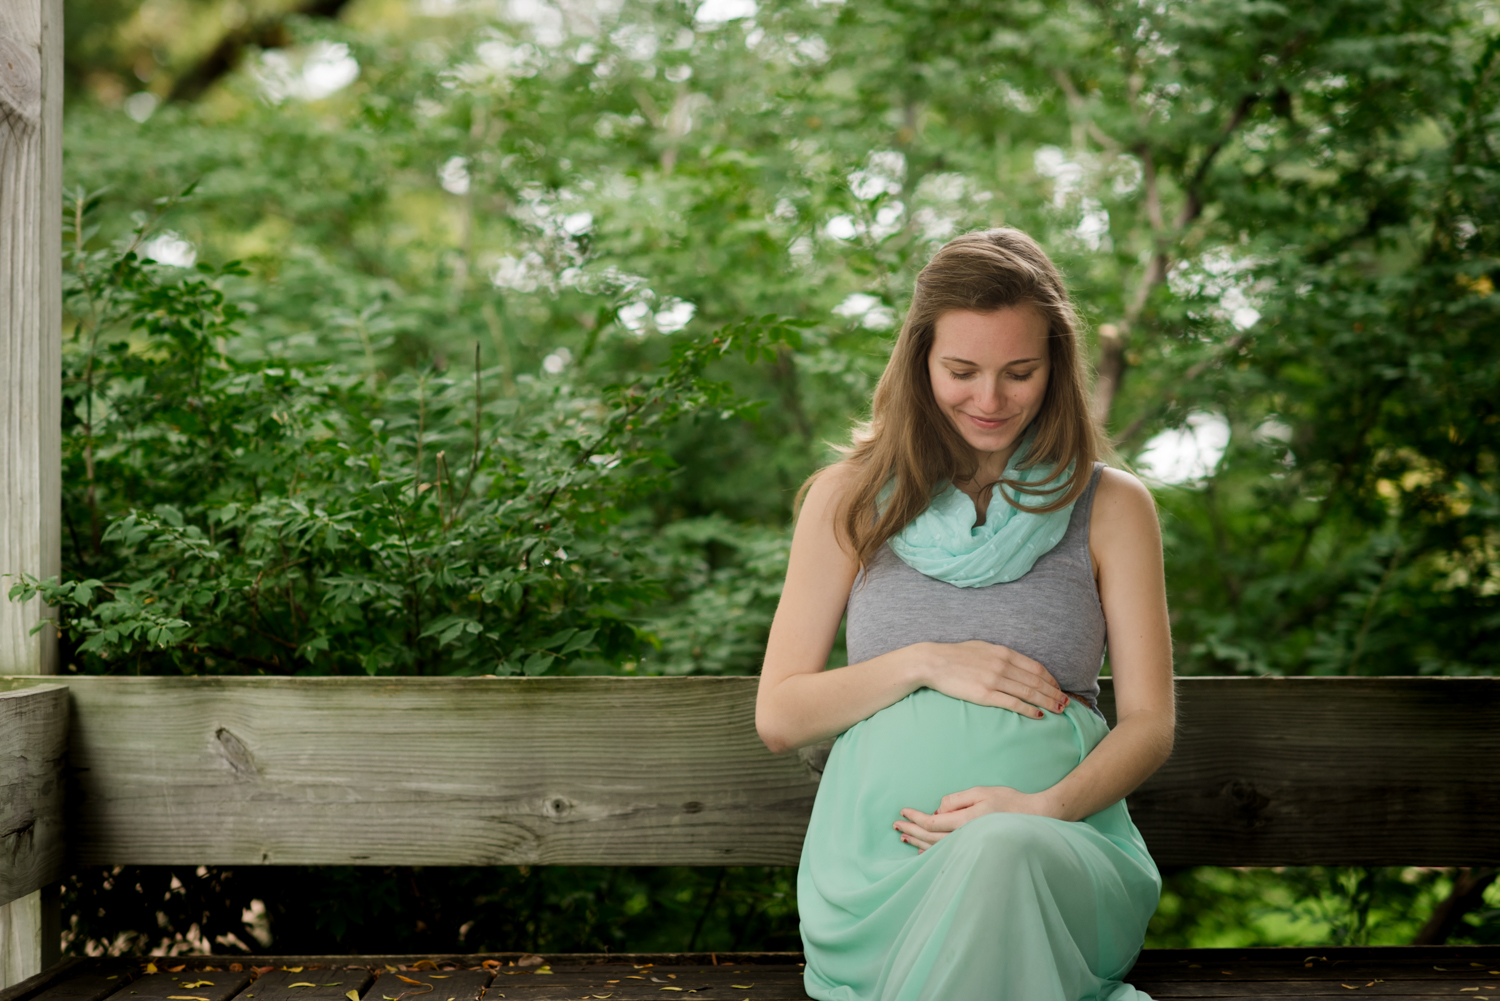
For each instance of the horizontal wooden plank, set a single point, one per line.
(430, 771)
(302, 984)
(1387, 972)
(185, 986)
(458, 771)
(1340, 771)
(33, 753)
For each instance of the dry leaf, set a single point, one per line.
(196, 984)
(742, 987)
(669, 988)
(602, 996)
(352, 995)
(185, 997)
(150, 967)
(177, 969)
(440, 976)
(544, 970)
(302, 983)
(409, 980)
(292, 969)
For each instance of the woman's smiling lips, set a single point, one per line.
(985, 424)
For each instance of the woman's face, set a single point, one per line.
(989, 375)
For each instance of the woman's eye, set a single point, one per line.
(960, 375)
(1022, 376)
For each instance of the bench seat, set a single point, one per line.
(1387, 972)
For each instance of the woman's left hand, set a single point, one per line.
(923, 830)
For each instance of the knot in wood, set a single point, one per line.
(1247, 804)
(236, 753)
(556, 807)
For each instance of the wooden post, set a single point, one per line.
(31, 90)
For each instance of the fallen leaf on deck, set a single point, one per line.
(196, 984)
(669, 988)
(742, 987)
(177, 969)
(302, 983)
(292, 969)
(185, 997)
(352, 995)
(603, 996)
(441, 976)
(150, 967)
(409, 980)
(545, 971)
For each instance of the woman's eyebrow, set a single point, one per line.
(965, 361)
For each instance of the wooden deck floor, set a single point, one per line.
(1460, 972)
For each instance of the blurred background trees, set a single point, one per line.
(483, 253)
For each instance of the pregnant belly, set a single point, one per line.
(913, 753)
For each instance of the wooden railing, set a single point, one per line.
(451, 771)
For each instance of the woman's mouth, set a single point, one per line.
(985, 424)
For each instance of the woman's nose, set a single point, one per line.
(989, 396)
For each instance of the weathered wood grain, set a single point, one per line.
(73, 979)
(307, 985)
(453, 771)
(219, 986)
(1346, 771)
(30, 321)
(31, 92)
(431, 985)
(621, 982)
(33, 752)
(435, 771)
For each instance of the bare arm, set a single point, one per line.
(800, 703)
(1125, 542)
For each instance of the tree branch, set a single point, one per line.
(1112, 364)
(266, 33)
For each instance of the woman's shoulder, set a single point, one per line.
(827, 488)
(1123, 510)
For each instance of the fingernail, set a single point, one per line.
(1040, 714)
(1061, 706)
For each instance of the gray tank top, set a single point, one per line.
(1052, 614)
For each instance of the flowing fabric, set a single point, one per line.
(1010, 907)
(944, 542)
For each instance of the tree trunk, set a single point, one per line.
(31, 81)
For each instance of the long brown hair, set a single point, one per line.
(908, 442)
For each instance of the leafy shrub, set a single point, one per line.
(233, 511)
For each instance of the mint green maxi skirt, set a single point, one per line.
(1010, 907)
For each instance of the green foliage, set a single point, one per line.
(264, 515)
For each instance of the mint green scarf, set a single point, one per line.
(944, 542)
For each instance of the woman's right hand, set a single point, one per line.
(988, 674)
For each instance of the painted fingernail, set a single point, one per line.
(1061, 706)
(1040, 714)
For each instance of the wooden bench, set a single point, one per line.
(623, 771)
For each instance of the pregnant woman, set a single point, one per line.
(970, 840)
